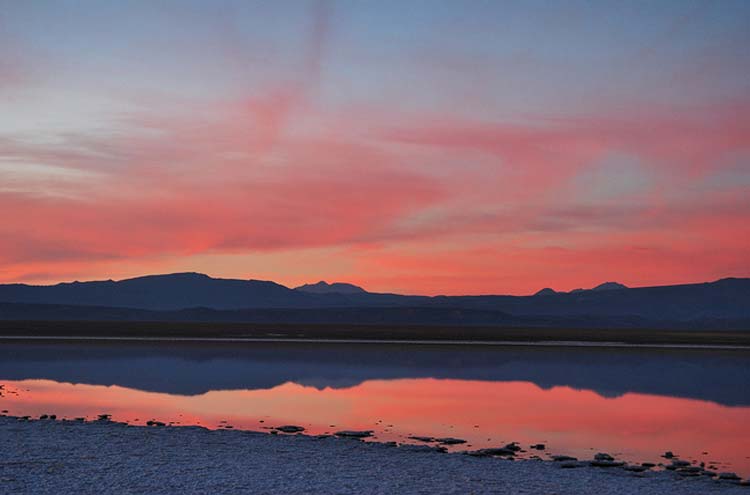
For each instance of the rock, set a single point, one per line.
(605, 460)
(648, 464)
(422, 439)
(690, 469)
(354, 433)
(513, 446)
(450, 441)
(53, 416)
(290, 429)
(688, 473)
(636, 468)
(538, 446)
(606, 463)
(104, 417)
(563, 458)
(80, 419)
(43, 416)
(678, 463)
(423, 448)
(491, 452)
(668, 454)
(155, 423)
(729, 476)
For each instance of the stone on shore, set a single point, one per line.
(450, 441)
(290, 429)
(563, 458)
(492, 452)
(605, 463)
(729, 476)
(422, 439)
(354, 433)
(636, 468)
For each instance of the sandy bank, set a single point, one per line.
(69, 457)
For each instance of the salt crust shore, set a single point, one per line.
(57, 457)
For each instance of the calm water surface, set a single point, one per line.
(635, 404)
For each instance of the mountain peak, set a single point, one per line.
(610, 286)
(324, 287)
(546, 292)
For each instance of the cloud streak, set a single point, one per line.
(412, 193)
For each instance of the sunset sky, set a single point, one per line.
(457, 147)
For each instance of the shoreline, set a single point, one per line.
(371, 334)
(277, 340)
(62, 456)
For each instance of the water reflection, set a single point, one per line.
(189, 369)
(633, 403)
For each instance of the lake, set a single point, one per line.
(633, 403)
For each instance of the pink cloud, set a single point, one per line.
(231, 177)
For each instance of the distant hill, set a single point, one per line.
(174, 291)
(610, 286)
(726, 299)
(546, 292)
(323, 287)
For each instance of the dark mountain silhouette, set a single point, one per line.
(324, 287)
(546, 292)
(202, 298)
(610, 286)
(175, 291)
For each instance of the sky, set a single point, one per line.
(431, 147)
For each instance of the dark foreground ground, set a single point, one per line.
(139, 329)
(56, 457)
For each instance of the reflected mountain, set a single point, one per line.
(196, 368)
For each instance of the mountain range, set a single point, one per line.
(724, 303)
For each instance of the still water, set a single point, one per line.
(632, 403)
